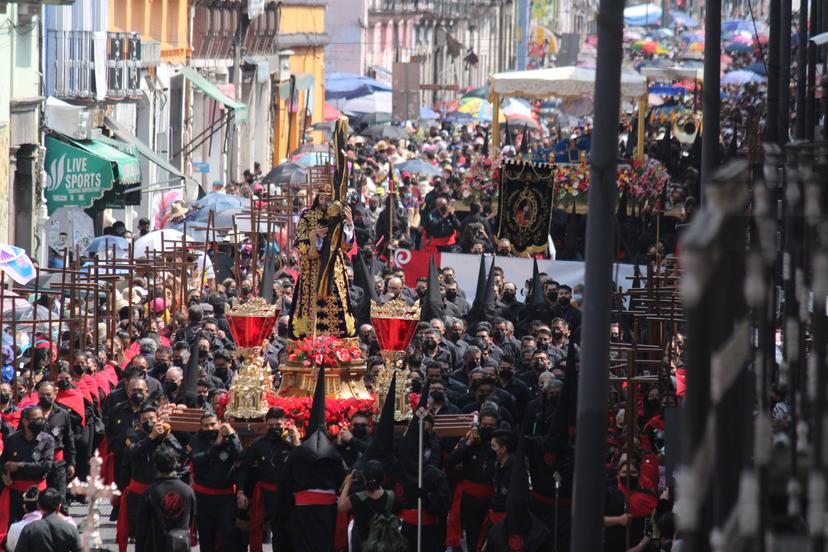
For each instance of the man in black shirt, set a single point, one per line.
(259, 478)
(59, 426)
(214, 452)
(167, 507)
(52, 532)
(27, 457)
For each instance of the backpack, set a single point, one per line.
(384, 529)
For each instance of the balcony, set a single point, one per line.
(83, 65)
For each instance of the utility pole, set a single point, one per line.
(711, 100)
(590, 448)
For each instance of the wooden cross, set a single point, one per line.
(93, 489)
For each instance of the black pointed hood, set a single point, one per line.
(507, 133)
(485, 151)
(537, 298)
(432, 305)
(383, 442)
(524, 142)
(190, 380)
(317, 442)
(362, 280)
(485, 294)
(268, 277)
(562, 428)
(518, 517)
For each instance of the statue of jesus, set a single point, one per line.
(321, 304)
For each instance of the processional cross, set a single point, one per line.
(93, 489)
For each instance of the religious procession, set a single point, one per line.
(425, 276)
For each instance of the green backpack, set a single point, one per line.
(384, 529)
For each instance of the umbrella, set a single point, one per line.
(642, 15)
(632, 35)
(758, 68)
(696, 47)
(741, 76)
(522, 120)
(15, 263)
(683, 18)
(576, 107)
(663, 33)
(459, 117)
(482, 92)
(102, 246)
(313, 159)
(77, 225)
(372, 103)
(387, 132)
(309, 148)
(220, 201)
(330, 113)
(737, 25)
(163, 240)
(287, 173)
(738, 48)
(418, 166)
(426, 113)
(375, 118)
(347, 86)
(26, 313)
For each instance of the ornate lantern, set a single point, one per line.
(394, 323)
(251, 325)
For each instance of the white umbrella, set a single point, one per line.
(162, 240)
(372, 103)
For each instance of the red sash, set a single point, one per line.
(409, 516)
(454, 529)
(108, 462)
(123, 528)
(199, 488)
(58, 455)
(314, 498)
(430, 244)
(257, 514)
(18, 486)
(491, 518)
(563, 502)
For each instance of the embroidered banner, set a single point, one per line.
(525, 209)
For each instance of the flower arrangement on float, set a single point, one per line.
(338, 412)
(481, 180)
(323, 351)
(643, 182)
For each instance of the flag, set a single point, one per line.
(525, 207)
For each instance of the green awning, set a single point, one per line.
(209, 88)
(126, 136)
(82, 172)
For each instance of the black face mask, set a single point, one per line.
(633, 481)
(63, 385)
(505, 374)
(245, 291)
(438, 397)
(79, 370)
(201, 400)
(202, 353)
(5, 397)
(563, 301)
(232, 293)
(37, 426)
(486, 433)
(421, 292)
(498, 335)
(161, 367)
(508, 296)
(209, 434)
(416, 386)
(552, 295)
(274, 433)
(538, 366)
(45, 403)
(170, 387)
(137, 399)
(367, 255)
(220, 373)
(359, 431)
(443, 209)
(451, 295)
(557, 333)
(653, 404)
(429, 345)
(147, 427)
(20, 395)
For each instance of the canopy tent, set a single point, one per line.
(642, 15)
(563, 82)
(347, 86)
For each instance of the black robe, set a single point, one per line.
(169, 501)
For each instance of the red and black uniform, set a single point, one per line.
(35, 458)
(473, 493)
(633, 500)
(308, 491)
(167, 507)
(140, 448)
(259, 478)
(436, 500)
(214, 478)
(497, 510)
(59, 426)
(119, 424)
